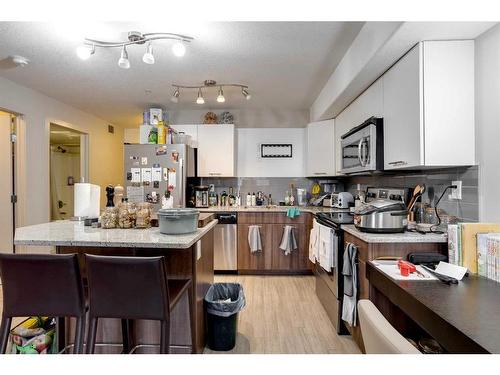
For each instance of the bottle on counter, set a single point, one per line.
(254, 200)
(162, 133)
(357, 197)
(212, 197)
(231, 198)
(223, 199)
(287, 198)
(249, 200)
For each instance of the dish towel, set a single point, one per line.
(288, 240)
(254, 239)
(350, 273)
(292, 212)
(327, 249)
(314, 242)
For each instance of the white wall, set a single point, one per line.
(105, 149)
(249, 162)
(487, 109)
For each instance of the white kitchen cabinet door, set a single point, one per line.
(320, 149)
(429, 107)
(216, 157)
(402, 114)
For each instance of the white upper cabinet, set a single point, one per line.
(368, 104)
(428, 99)
(189, 129)
(320, 149)
(216, 151)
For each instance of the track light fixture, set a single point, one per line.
(209, 84)
(123, 61)
(135, 38)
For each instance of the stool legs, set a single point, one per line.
(165, 337)
(79, 335)
(4, 333)
(192, 318)
(91, 335)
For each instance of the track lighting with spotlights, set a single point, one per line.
(148, 57)
(209, 84)
(175, 96)
(135, 38)
(123, 61)
(220, 97)
(200, 99)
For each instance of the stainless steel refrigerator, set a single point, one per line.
(153, 170)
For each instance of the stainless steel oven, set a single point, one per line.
(362, 147)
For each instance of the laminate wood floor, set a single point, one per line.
(284, 316)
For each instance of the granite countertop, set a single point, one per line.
(72, 233)
(406, 237)
(309, 209)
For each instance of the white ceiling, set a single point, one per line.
(285, 64)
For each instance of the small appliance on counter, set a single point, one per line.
(201, 196)
(341, 200)
(383, 212)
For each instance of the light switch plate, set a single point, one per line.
(456, 193)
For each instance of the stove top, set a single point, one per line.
(335, 219)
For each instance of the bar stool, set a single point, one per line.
(134, 288)
(42, 285)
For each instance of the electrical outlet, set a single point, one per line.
(456, 193)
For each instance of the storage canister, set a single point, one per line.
(178, 220)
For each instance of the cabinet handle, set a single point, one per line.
(399, 162)
(322, 173)
(214, 174)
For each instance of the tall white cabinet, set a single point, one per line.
(320, 149)
(428, 100)
(216, 151)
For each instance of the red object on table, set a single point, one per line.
(406, 267)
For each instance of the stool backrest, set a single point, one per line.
(43, 285)
(131, 287)
(379, 336)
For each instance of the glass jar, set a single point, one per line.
(126, 215)
(109, 218)
(430, 216)
(143, 216)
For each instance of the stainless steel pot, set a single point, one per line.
(381, 216)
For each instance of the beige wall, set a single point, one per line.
(105, 149)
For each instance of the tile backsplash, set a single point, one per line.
(435, 181)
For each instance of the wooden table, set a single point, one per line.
(463, 318)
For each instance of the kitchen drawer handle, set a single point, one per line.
(319, 172)
(214, 174)
(399, 162)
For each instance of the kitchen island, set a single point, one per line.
(188, 256)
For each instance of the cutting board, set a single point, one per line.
(205, 218)
(469, 241)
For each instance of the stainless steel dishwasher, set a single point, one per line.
(225, 242)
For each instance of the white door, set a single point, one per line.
(320, 149)
(216, 151)
(403, 143)
(6, 213)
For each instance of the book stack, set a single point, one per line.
(477, 247)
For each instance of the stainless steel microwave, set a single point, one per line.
(363, 147)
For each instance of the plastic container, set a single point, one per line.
(223, 301)
(178, 220)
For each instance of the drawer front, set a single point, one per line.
(329, 278)
(330, 303)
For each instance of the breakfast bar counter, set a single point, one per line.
(188, 256)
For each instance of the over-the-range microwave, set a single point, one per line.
(363, 147)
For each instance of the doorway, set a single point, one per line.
(7, 181)
(68, 165)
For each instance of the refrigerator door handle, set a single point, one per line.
(181, 182)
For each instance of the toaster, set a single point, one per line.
(341, 200)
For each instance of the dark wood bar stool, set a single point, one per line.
(134, 288)
(42, 285)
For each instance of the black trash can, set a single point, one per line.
(223, 301)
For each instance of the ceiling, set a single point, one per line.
(285, 64)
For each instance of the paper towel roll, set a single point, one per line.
(86, 200)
